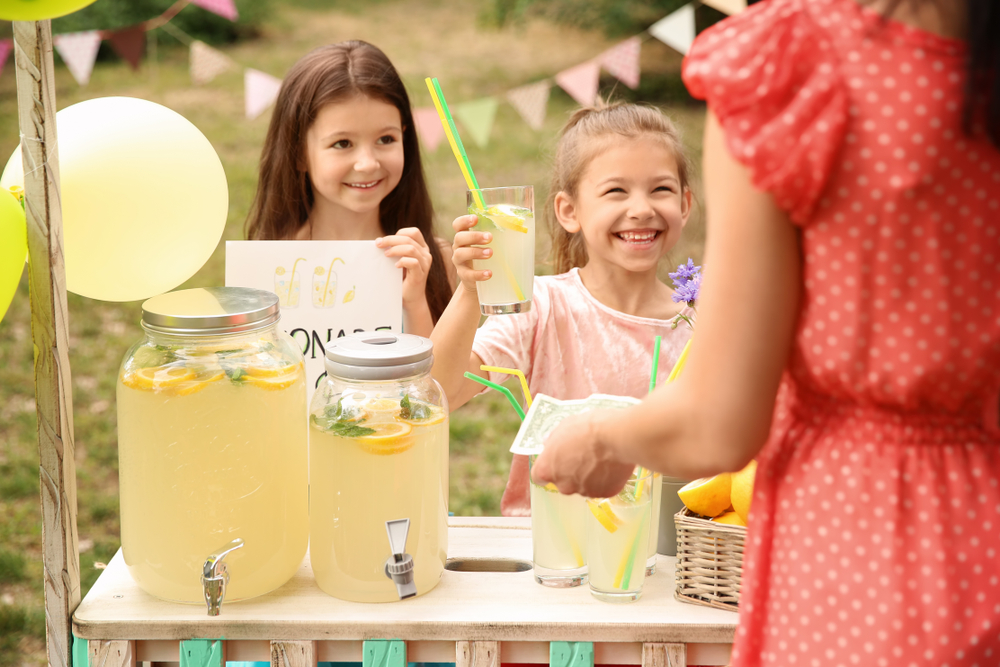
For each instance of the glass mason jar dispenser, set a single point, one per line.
(212, 441)
(378, 461)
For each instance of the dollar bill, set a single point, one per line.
(546, 413)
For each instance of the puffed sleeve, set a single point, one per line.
(770, 74)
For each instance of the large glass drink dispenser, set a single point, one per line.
(212, 442)
(378, 470)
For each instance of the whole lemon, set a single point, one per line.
(742, 489)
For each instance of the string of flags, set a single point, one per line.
(676, 30)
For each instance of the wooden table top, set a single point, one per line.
(464, 606)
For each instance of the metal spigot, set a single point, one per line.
(215, 576)
(399, 566)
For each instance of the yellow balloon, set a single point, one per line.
(39, 10)
(144, 197)
(13, 248)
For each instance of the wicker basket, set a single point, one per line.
(709, 561)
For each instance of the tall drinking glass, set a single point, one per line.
(509, 214)
(618, 539)
(654, 524)
(558, 532)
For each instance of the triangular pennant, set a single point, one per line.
(5, 46)
(530, 102)
(622, 61)
(429, 127)
(477, 117)
(260, 91)
(129, 43)
(224, 8)
(79, 51)
(207, 63)
(729, 7)
(581, 82)
(676, 30)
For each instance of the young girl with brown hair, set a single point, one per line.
(341, 162)
(619, 198)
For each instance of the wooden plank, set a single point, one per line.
(664, 655)
(112, 653)
(36, 106)
(465, 606)
(293, 654)
(203, 653)
(477, 654)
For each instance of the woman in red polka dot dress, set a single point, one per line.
(853, 245)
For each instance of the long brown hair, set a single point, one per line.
(284, 195)
(578, 145)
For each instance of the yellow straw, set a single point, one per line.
(520, 376)
(329, 273)
(466, 171)
(681, 360)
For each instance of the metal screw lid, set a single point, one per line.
(210, 310)
(379, 355)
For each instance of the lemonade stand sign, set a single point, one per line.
(327, 289)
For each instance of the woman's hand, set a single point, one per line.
(579, 459)
(414, 258)
(464, 252)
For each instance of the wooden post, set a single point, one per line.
(293, 654)
(664, 655)
(116, 653)
(36, 106)
(477, 654)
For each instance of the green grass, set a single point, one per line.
(471, 61)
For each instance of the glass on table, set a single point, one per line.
(557, 535)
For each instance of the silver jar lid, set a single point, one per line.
(378, 355)
(210, 310)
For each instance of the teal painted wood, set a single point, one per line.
(571, 654)
(80, 652)
(383, 653)
(201, 653)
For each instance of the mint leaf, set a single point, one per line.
(414, 409)
(345, 429)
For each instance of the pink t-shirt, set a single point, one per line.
(569, 346)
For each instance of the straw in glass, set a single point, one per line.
(503, 390)
(627, 574)
(681, 360)
(520, 376)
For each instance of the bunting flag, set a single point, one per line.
(477, 117)
(224, 8)
(676, 30)
(729, 7)
(622, 61)
(79, 51)
(581, 82)
(129, 43)
(5, 46)
(260, 91)
(429, 127)
(530, 102)
(207, 63)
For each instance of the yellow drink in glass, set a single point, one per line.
(617, 541)
(558, 536)
(212, 447)
(654, 524)
(368, 467)
(508, 214)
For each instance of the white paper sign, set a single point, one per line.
(327, 289)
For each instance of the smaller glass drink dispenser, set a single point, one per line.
(378, 470)
(212, 443)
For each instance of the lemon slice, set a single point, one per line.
(200, 381)
(270, 370)
(604, 514)
(504, 220)
(388, 438)
(274, 382)
(158, 377)
(708, 496)
(437, 416)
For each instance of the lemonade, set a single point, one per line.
(617, 542)
(558, 535)
(375, 459)
(212, 447)
(507, 213)
(654, 524)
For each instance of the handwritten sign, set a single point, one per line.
(327, 289)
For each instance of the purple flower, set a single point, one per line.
(687, 282)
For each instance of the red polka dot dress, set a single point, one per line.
(874, 537)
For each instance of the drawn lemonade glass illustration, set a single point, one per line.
(286, 284)
(378, 440)
(212, 443)
(617, 540)
(558, 536)
(508, 214)
(324, 285)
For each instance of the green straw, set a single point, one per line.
(454, 131)
(503, 390)
(656, 364)
(627, 577)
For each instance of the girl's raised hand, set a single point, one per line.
(464, 252)
(414, 258)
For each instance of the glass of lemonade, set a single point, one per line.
(378, 452)
(654, 524)
(618, 540)
(212, 442)
(558, 536)
(509, 214)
